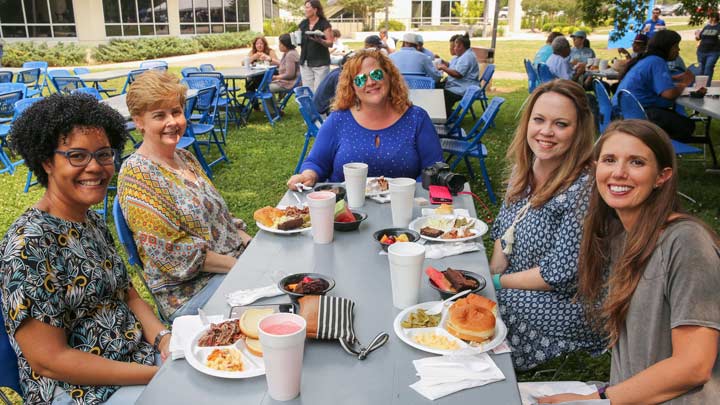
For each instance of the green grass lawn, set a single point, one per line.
(263, 157)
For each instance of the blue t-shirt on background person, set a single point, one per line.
(401, 150)
(646, 81)
(467, 65)
(651, 26)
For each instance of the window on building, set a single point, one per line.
(271, 9)
(447, 12)
(128, 18)
(37, 19)
(421, 13)
(213, 16)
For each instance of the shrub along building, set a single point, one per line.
(97, 21)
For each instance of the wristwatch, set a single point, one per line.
(601, 392)
(159, 337)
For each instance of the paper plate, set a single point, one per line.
(479, 230)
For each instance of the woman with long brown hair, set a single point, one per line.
(651, 274)
(537, 232)
(373, 122)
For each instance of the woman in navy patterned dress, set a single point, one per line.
(538, 230)
(374, 122)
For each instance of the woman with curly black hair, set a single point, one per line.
(67, 300)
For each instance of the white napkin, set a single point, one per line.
(185, 328)
(440, 250)
(441, 376)
(461, 212)
(531, 391)
(247, 297)
(381, 198)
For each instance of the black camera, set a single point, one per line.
(439, 174)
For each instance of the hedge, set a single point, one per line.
(278, 26)
(17, 53)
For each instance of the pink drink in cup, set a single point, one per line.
(282, 338)
(322, 215)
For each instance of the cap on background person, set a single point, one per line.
(579, 34)
(373, 41)
(409, 38)
(641, 38)
(419, 39)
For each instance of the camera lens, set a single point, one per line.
(453, 181)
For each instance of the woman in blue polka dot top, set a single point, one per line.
(373, 122)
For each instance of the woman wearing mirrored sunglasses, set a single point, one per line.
(373, 122)
(67, 299)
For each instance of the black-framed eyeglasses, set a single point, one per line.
(82, 157)
(376, 75)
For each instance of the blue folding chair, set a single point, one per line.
(313, 121)
(453, 127)
(303, 91)
(155, 65)
(7, 87)
(133, 257)
(187, 70)
(6, 76)
(101, 89)
(206, 104)
(207, 67)
(20, 106)
(484, 81)
(43, 66)
(7, 112)
(533, 82)
(604, 104)
(9, 376)
(31, 79)
(262, 95)
(223, 101)
(544, 73)
(65, 82)
(290, 93)
(132, 75)
(91, 91)
(463, 149)
(419, 82)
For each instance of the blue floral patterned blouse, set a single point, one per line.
(68, 275)
(545, 324)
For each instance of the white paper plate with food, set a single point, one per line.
(221, 350)
(376, 186)
(283, 220)
(448, 228)
(432, 336)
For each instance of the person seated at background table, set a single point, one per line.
(77, 325)
(537, 232)
(387, 40)
(409, 61)
(186, 236)
(648, 79)
(261, 52)
(463, 72)
(638, 47)
(650, 273)
(338, 49)
(546, 50)
(374, 42)
(558, 63)
(325, 93)
(421, 47)
(581, 51)
(708, 50)
(374, 122)
(289, 68)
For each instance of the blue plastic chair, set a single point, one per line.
(6, 87)
(5, 76)
(262, 95)
(154, 64)
(533, 78)
(453, 126)
(43, 66)
(101, 89)
(463, 149)
(186, 70)
(132, 75)
(544, 73)
(290, 93)
(65, 82)
(484, 81)
(91, 91)
(206, 104)
(207, 67)
(419, 82)
(7, 111)
(313, 121)
(303, 91)
(31, 79)
(604, 104)
(223, 101)
(21, 106)
(9, 376)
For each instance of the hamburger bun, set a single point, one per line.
(468, 320)
(250, 320)
(267, 215)
(482, 302)
(253, 346)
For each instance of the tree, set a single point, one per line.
(625, 12)
(470, 14)
(296, 7)
(365, 8)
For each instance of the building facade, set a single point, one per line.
(97, 21)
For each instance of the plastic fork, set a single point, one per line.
(437, 308)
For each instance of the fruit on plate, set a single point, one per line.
(343, 213)
(439, 279)
(253, 346)
(389, 240)
(250, 319)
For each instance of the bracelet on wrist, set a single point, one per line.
(496, 282)
(601, 392)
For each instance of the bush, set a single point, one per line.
(228, 40)
(392, 25)
(565, 29)
(17, 53)
(277, 27)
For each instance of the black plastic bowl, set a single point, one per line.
(351, 226)
(447, 294)
(334, 188)
(295, 278)
(412, 235)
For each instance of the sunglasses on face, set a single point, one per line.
(82, 157)
(361, 79)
